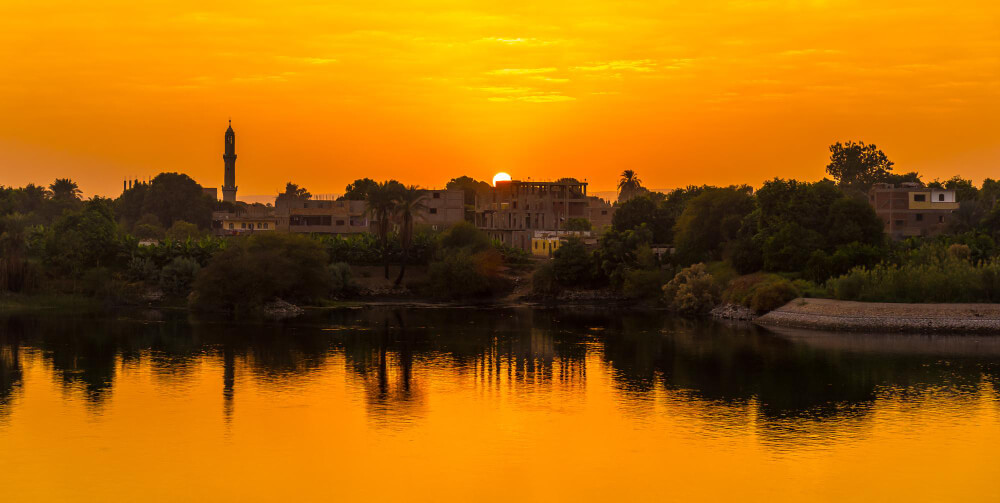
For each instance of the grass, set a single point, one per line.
(18, 303)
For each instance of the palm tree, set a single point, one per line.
(629, 185)
(381, 203)
(64, 189)
(409, 205)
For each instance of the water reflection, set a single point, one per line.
(786, 383)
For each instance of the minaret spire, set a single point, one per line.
(229, 175)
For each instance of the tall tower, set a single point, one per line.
(229, 179)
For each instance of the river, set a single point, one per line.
(517, 404)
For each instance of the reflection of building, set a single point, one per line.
(912, 209)
(512, 211)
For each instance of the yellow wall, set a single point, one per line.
(542, 247)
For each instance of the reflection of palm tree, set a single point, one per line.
(409, 204)
(381, 204)
(64, 189)
(629, 185)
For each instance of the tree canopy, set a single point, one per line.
(856, 166)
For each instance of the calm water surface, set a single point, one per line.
(391, 404)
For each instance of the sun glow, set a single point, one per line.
(500, 177)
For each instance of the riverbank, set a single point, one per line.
(828, 314)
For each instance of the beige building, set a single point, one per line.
(512, 211)
(912, 209)
(443, 208)
(246, 219)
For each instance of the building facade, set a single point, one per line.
(245, 219)
(512, 211)
(912, 209)
(442, 209)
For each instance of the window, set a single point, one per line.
(604, 212)
(920, 217)
(259, 225)
(899, 223)
(340, 222)
(920, 197)
(265, 225)
(940, 197)
(437, 195)
(433, 211)
(243, 225)
(940, 219)
(231, 225)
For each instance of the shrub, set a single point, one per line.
(464, 235)
(257, 269)
(691, 291)
(921, 279)
(177, 276)
(573, 264)
(341, 280)
(141, 269)
(643, 283)
(760, 292)
(772, 295)
(463, 274)
(959, 252)
(543, 280)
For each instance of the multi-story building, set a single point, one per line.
(513, 210)
(246, 218)
(442, 209)
(912, 209)
(545, 243)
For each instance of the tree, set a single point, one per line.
(182, 231)
(83, 239)
(469, 186)
(175, 196)
(381, 205)
(409, 205)
(291, 267)
(629, 185)
(899, 179)
(573, 264)
(578, 224)
(709, 221)
(857, 166)
(293, 193)
(65, 189)
(647, 210)
(359, 189)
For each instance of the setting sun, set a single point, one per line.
(500, 177)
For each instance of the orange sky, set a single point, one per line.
(322, 93)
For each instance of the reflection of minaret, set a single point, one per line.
(229, 180)
(228, 383)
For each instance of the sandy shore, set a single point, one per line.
(827, 314)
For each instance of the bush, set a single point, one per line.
(643, 283)
(772, 295)
(940, 280)
(141, 269)
(341, 280)
(255, 270)
(464, 235)
(463, 274)
(573, 264)
(177, 276)
(691, 291)
(760, 292)
(543, 280)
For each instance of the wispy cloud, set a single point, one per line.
(531, 41)
(521, 71)
(635, 65)
(533, 98)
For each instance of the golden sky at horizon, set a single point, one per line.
(422, 91)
